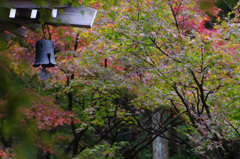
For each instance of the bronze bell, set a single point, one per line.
(45, 54)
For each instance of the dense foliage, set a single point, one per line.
(147, 69)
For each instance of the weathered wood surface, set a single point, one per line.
(27, 12)
(30, 5)
(14, 28)
(77, 17)
(15, 14)
(82, 17)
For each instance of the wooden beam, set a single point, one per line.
(14, 28)
(30, 5)
(82, 17)
(19, 31)
(27, 13)
(77, 17)
(21, 19)
(32, 26)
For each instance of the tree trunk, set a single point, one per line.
(160, 145)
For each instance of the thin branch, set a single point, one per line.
(200, 86)
(175, 17)
(136, 40)
(233, 127)
(159, 48)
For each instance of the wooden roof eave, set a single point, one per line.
(65, 15)
(82, 17)
(30, 5)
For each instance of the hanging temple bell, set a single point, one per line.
(44, 56)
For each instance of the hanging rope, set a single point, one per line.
(44, 32)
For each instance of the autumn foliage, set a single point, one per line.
(141, 58)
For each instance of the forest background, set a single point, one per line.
(147, 69)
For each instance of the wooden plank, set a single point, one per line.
(14, 28)
(27, 13)
(29, 4)
(32, 26)
(20, 13)
(20, 32)
(77, 17)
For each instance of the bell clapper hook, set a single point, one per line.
(43, 73)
